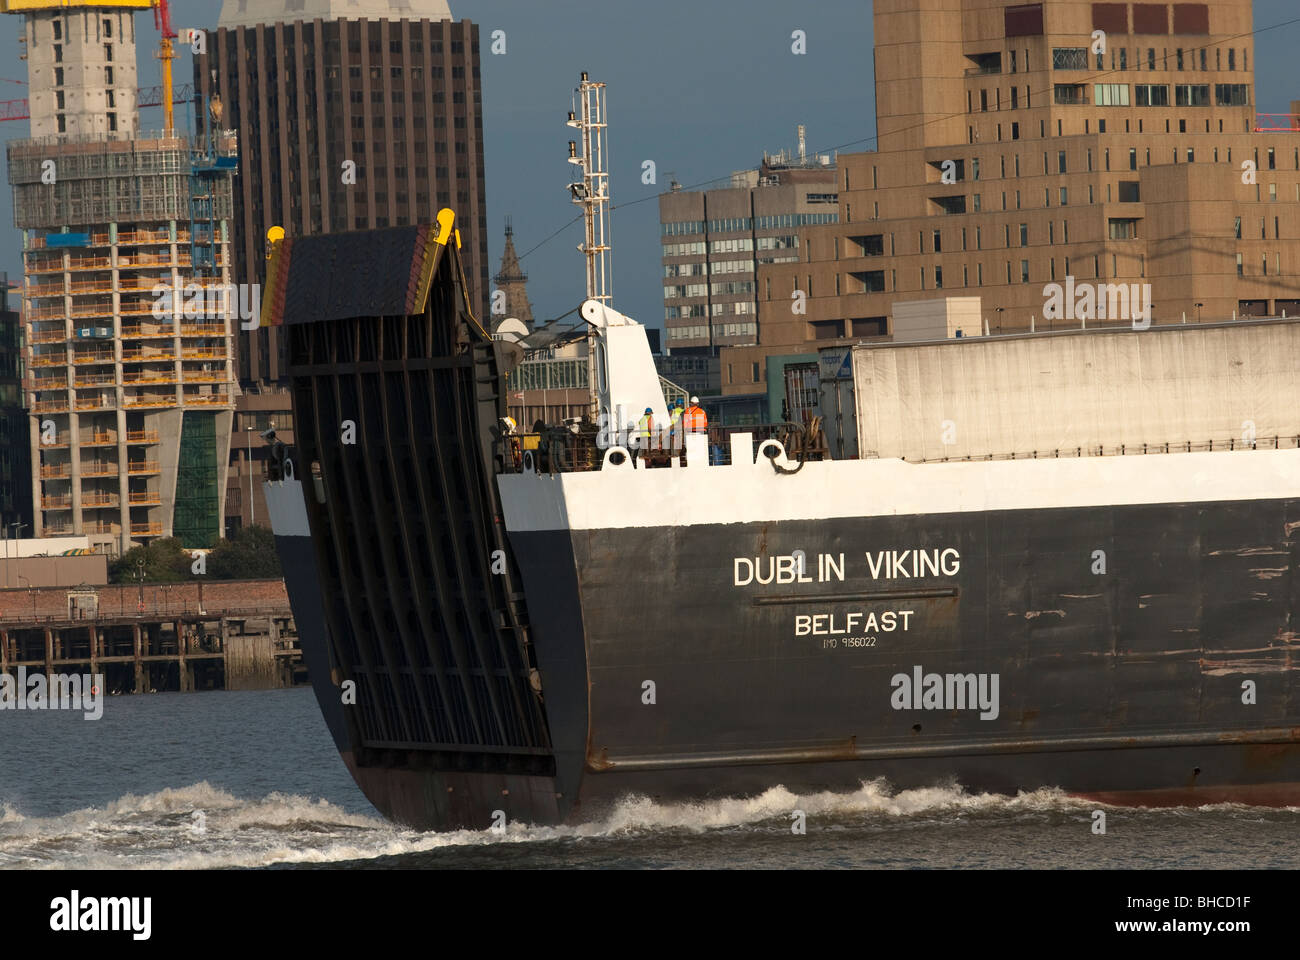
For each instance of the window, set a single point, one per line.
(1110, 94)
(1202, 58)
(1063, 199)
(1151, 58)
(1069, 94)
(1232, 58)
(1180, 58)
(108, 28)
(58, 53)
(1024, 271)
(1132, 158)
(112, 121)
(1123, 229)
(1024, 234)
(58, 100)
(1192, 94)
(58, 30)
(1239, 270)
(979, 238)
(108, 76)
(938, 243)
(938, 278)
(1231, 94)
(1123, 58)
(1272, 159)
(1151, 94)
(109, 98)
(58, 76)
(1069, 58)
(108, 52)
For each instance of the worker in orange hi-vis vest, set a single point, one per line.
(694, 419)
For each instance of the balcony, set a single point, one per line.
(203, 330)
(142, 437)
(146, 529)
(137, 308)
(50, 406)
(103, 439)
(45, 265)
(110, 528)
(50, 336)
(140, 468)
(203, 353)
(100, 500)
(90, 263)
(205, 376)
(94, 403)
(99, 469)
(39, 290)
(59, 382)
(155, 401)
(50, 359)
(100, 356)
(56, 471)
(138, 355)
(56, 312)
(148, 376)
(207, 399)
(56, 503)
(80, 379)
(99, 285)
(139, 332)
(148, 498)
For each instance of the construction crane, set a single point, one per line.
(162, 19)
(145, 97)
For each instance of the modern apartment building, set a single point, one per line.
(352, 114)
(15, 463)
(130, 378)
(714, 240)
(1016, 151)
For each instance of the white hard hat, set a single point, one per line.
(695, 399)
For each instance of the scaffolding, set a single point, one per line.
(147, 179)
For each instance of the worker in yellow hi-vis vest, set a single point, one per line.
(645, 426)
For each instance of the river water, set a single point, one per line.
(251, 779)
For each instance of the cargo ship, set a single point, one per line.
(497, 633)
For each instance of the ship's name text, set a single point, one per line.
(913, 563)
(832, 625)
(946, 691)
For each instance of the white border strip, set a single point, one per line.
(755, 493)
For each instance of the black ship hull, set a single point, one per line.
(493, 644)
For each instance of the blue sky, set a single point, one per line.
(701, 88)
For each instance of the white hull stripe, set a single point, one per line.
(755, 493)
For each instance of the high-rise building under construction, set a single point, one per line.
(126, 291)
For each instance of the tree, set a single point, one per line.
(165, 561)
(249, 555)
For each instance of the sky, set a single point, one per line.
(700, 88)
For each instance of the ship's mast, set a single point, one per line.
(591, 192)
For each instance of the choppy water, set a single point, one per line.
(262, 775)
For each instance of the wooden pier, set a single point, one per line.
(224, 635)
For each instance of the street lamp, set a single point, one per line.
(252, 510)
(31, 593)
(12, 536)
(1198, 311)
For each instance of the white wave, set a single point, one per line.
(161, 830)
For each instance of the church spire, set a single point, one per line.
(512, 281)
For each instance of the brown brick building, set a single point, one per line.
(1012, 154)
(398, 98)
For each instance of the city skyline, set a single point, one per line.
(742, 113)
